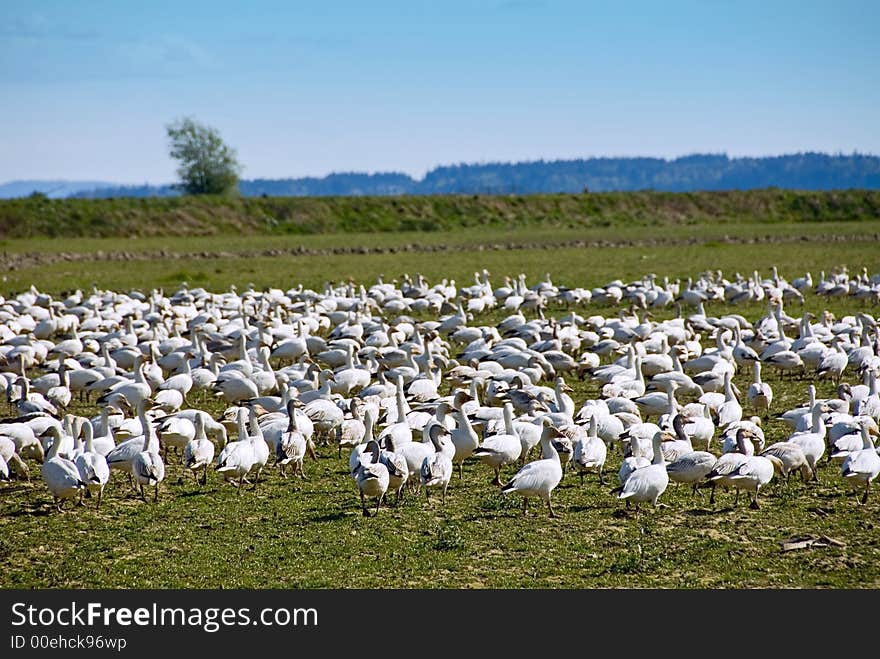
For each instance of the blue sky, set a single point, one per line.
(309, 88)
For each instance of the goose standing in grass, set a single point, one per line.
(728, 464)
(147, 466)
(862, 466)
(259, 446)
(122, 457)
(501, 449)
(436, 469)
(237, 458)
(92, 467)
(398, 469)
(61, 477)
(691, 468)
(175, 432)
(791, 458)
(371, 477)
(813, 442)
(590, 452)
(755, 472)
(464, 439)
(760, 395)
(199, 451)
(291, 446)
(647, 483)
(730, 410)
(540, 477)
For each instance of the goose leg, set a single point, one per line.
(366, 512)
(581, 474)
(601, 477)
(865, 495)
(443, 499)
(754, 504)
(379, 503)
(525, 506)
(712, 495)
(240, 484)
(156, 494)
(100, 496)
(550, 507)
(497, 479)
(460, 469)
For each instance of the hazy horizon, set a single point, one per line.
(408, 86)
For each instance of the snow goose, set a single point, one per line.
(199, 451)
(590, 452)
(834, 363)
(791, 458)
(398, 469)
(760, 395)
(691, 468)
(730, 410)
(862, 466)
(501, 449)
(755, 472)
(351, 432)
(291, 446)
(728, 464)
(540, 477)
(436, 469)
(464, 439)
(147, 466)
(61, 477)
(92, 466)
(647, 483)
(175, 432)
(371, 477)
(813, 442)
(259, 444)
(237, 458)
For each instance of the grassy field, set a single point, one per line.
(311, 534)
(202, 216)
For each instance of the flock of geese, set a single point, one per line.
(411, 400)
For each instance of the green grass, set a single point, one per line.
(204, 216)
(311, 534)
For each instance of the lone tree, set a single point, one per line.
(207, 164)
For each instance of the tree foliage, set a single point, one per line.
(207, 164)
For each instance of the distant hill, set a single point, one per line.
(700, 172)
(52, 189)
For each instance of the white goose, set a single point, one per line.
(590, 452)
(147, 466)
(862, 466)
(436, 469)
(540, 477)
(755, 472)
(291, 447)
(647, 483)
(501, 449)
(61, 477)
(371, 477)
(122, 457)
(237, 458)
(813, 442)
(760, 395)
(199, 451)
(92, 466)
(728, 464)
